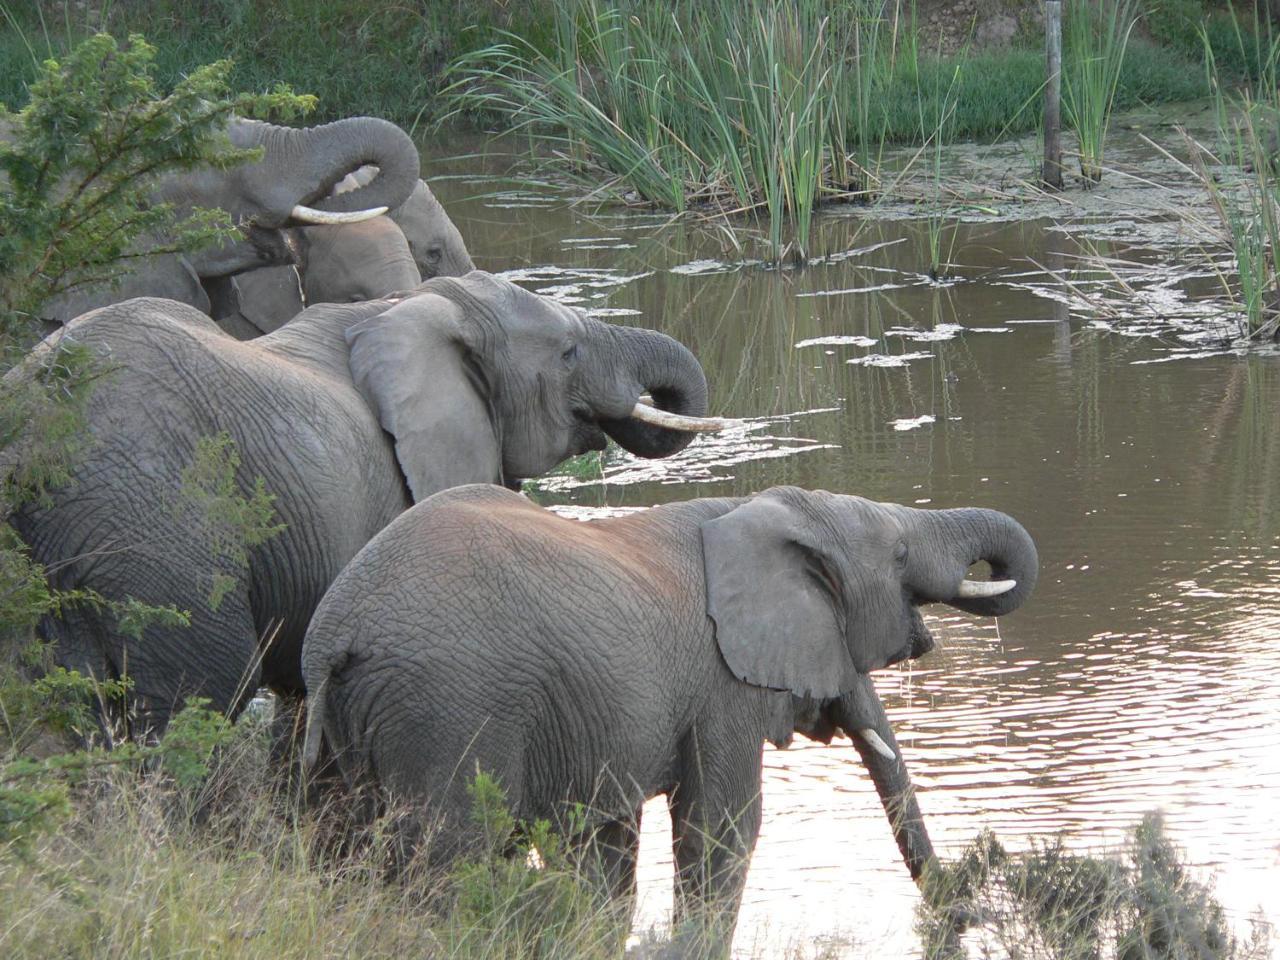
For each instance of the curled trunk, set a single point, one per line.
(302, 166)
(645, 361)
(956, 539)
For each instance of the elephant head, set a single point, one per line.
(512, 383)
(353, 262)
(292, 185)
(339, 264)
(434, 241)
(810, 592)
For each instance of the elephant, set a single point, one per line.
(291, 185)
(595, 665)
(336, 264)
(348, 414)
(437, 246)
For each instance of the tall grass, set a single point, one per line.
(740, 107)
(143, 867)
(1095, 40)
(1248, 211)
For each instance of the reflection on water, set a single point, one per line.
(1144, 671)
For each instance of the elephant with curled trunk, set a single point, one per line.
(345, 263)
(603, 663)
(349, 414)
(292, 185)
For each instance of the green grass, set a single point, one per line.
(141, 866)
(737, 106)
(1248, 211)
(772, 108)
(378, 57)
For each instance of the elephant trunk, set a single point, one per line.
(858, 711)
(956, 539)
(645, 361)
(312, 161)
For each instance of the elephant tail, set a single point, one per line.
(314, 736)
(319, 676)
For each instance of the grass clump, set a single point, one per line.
(1053, 904)
(224, 866)
(1247, 209)
(1096, 37)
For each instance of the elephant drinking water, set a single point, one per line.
(349, 414)
(599, 664)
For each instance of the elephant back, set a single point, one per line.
(171, 378)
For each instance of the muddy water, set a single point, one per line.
(1145, 672)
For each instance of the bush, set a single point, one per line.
(1053, 904)
(77, 161)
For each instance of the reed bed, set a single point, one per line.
(726, 106)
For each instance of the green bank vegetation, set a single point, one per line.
(1248, 211)
(359, 57)
(775, 108)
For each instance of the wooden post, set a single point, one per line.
(1051, 172)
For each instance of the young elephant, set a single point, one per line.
(607, 662)
(347, 415)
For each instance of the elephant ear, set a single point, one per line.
(414, 367)
(774, 597)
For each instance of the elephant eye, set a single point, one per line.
(900, 553)
(570, 354)
(434, 254)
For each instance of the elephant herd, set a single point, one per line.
(392, 398)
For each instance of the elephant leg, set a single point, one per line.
(215, 657)
(715, 821)
(607, 854)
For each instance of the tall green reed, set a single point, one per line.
(734, 107)
(1096, 38)
(1248, 210)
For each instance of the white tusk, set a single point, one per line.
(312, 215)
(979, 589)
(876, 744)
(675, 421)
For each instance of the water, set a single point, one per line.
(1143, 673)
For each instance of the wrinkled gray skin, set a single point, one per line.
(349, 414)
(607, 662)
(299, 166)
(340, 264)
(336, 264)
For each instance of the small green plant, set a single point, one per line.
(232, 523)
(36, 794)
(501, 896)
(1095, 39)
(935, 135)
